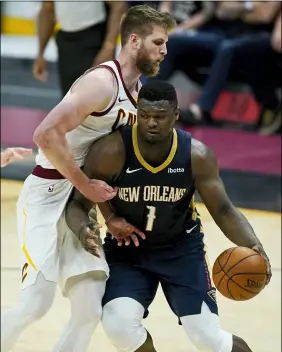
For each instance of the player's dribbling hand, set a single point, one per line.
(89, 237)
(98, 191)
(123, 231)
(260, 250)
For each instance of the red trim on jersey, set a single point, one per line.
(51, 174)
(130, 97)
(102, 113)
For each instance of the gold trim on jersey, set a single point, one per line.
(24, 243)
(196, 216)
(208, 264)
(143, 162)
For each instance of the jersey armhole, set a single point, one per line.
(116, 89)
(115, 95)
(190, 159)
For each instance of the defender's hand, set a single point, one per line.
(260, 250)
(98, 191)
(89, 236)
(122, 230)
(11, 154)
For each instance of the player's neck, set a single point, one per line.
(155, 153)
(130, 73)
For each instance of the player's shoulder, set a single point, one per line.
(106, 155)
(110, 145)
(203, 160)
(100, 77)
(199, 150)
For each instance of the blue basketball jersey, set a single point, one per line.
(159, 200)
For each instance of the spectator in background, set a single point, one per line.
(247, 30)
(188, 14)
(154, 4)
(263, 71)
(215, 35)
(87, 36)
(191, 40)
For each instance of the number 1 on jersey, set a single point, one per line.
(150, 217)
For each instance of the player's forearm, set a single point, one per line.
(236, 227)
(116, 11)
(76, 216)
(54, 146)
(45, 27)
(106, 210)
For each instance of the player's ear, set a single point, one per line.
(177, 112)
(135, 40)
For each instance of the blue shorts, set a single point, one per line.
(180, 268)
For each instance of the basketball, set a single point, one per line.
(239, 273)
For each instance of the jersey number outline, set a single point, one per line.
(150, 217)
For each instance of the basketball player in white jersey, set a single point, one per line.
(99, 102)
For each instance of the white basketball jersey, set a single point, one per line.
(121, 111)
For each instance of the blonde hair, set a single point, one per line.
(140, 20)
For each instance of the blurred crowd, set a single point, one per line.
(214, 43)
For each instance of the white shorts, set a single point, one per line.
(47, 244)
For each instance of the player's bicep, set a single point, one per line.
(92, 92)
(214, 196)
(105, 159)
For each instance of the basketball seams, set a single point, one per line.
(228, 270)
(248, 274)
(227, 259)
(245, 289)
(229, 290)
(231, 279)
(253, 274)
(226, 273)
(240, 261)
(222, 276)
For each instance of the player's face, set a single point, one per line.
(155, 120)
(151, 52)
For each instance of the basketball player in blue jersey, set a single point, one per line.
(157, 170)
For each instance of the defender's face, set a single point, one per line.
(152, 51)
(155, 120)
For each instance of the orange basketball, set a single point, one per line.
(239, 273)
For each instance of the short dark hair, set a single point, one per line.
(156, 90)
(140, 19)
